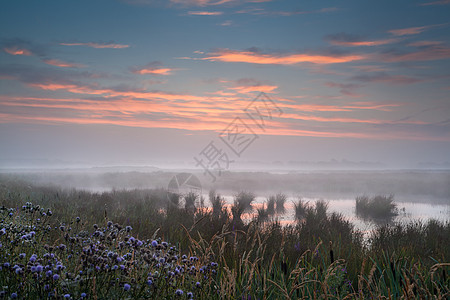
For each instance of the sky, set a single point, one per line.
(222, 82)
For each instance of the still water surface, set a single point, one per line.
(408, 211)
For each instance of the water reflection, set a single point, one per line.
(407, 211)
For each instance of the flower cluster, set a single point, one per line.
(66, 261)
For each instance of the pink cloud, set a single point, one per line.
(215, 2)
(226, 55)
(17, 51)
(158, 109)
(226, 101)
(254, 88)
(414, 30)
(62, 64)
(364, 43)
(205, 13)
(347, 120)
(264, 12)
(408, 31)
(274, 128)
(154, 71)
(153, 68)
(441, 2)
(222, 93)
(197, 115)
(249, 85)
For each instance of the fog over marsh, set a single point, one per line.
(409, 186)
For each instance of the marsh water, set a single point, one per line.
(407, 211)
(420, 195)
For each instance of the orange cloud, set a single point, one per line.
(152, 68)
(213, 2)
(394, 135)
(154, 71)
(408, 31)
(276, 128)
(194, 113)
(414, 30)
(197, 107)
(255, 88)
(73, 88)
(17, 51)
(222, 93)
(108, 93)
(372, 106)
(347, 120)
(205, 13)
(364, 43)
(62, 64)
(227, 55)
(97, 45)
(285, 13)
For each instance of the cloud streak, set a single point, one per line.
(110, 45)
(205, 13)
(93, 104)
(249, 85)
(441, 2)
(263, 12)
(253, 57)
(414, 30)
(214, 2)
(199, 114)
(62, 64)
(17, 51)
(153, 68)
(343, 39)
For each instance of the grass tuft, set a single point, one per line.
(376, 208)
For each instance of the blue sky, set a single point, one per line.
(148, 81)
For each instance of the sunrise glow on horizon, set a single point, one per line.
(77, 77)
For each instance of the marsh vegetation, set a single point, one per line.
(178, 246)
